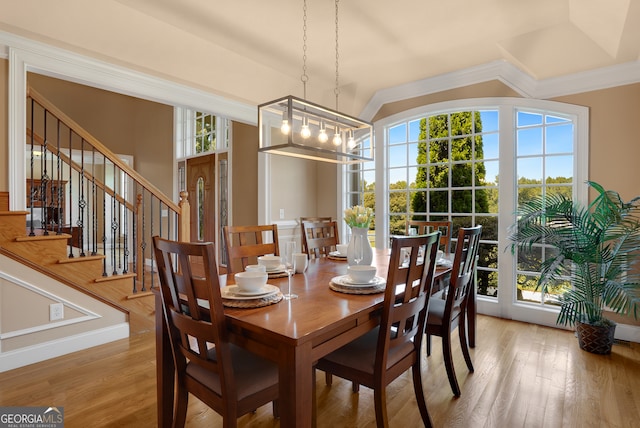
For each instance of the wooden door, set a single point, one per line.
(201, 186)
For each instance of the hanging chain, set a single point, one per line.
(304, 76)
(337, 89)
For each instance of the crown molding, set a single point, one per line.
(63, 64)
(513, 77)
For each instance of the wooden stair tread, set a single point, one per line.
(80, 259)
(43, 237)
(2, 213)
(115, 277)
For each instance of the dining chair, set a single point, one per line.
(244, 244)
(384, 353)
(321, 237)
(314, 219)
(227, 378)
(424, 227)
(450, 311)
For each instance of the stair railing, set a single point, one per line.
(76, 185)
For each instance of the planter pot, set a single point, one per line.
(594, 338)
(359, 251)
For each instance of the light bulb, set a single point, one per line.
(305, 132)
(322, 136)
(285, 127)
(337, 138)
(351, 142)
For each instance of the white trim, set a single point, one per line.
(88, 314)
(513, 77)
(43, 351)
(27, 55)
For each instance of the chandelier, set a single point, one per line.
(293, 126)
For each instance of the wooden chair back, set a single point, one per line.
(404, 314)
(303, 239)
(321, 237)
(245, 243)
(462, 273)
(217, 372)
(378, 357)
(424, 227)
(445, 315)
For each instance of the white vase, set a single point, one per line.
(359, 247)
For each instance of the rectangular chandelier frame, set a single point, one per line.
(354, 145)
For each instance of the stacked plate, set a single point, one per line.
(234, 293)
(337, 255)
(279, 269)
(347, 281)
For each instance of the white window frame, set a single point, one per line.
(505, 306)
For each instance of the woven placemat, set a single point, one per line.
(357, 290)
(340, 259)
(253, 303)
(277, 275)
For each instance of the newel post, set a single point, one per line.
(184, 232)
(139, 260)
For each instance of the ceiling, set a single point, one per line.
(251, 50)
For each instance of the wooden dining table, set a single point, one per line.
(292, 333)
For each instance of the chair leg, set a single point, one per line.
(417, 387)
(355, 387)
(180, 410)
(428, 344)
(328, 378)
(463, 344)
(276, 408)
(448, 363)
(380, 400)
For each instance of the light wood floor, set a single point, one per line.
(526, 376)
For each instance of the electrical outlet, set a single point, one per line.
(281, 213)
(56, 311)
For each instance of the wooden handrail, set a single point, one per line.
(86, 136)
(78, 169)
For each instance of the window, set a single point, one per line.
(200, 133)
(470, 162)
(438, 170)
(544, 164)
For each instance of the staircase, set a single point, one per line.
(90, 218)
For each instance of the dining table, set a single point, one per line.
(292, 333)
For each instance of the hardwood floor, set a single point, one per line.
(526, 376)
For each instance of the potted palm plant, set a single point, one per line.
(597, 247)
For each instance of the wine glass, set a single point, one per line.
(290, 266)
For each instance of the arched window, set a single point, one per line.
(470, 162)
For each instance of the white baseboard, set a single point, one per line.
(44, 351)
(630, 333)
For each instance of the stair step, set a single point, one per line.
(81, 259)
(22, 213)
(50, 237)
(115, 277)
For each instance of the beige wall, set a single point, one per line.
(126, 125)
(310, 186)
(244, 176)
(613, 152)
(486, 89)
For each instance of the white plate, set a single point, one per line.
(337, 254)
(346, 281)
(444, 262)
(279, 269)
(233, 292)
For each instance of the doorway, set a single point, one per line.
(207, 185)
